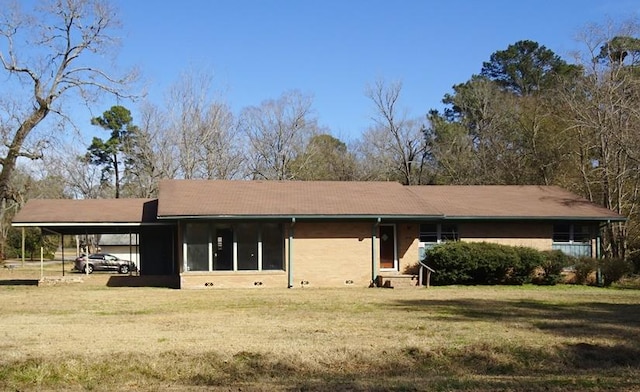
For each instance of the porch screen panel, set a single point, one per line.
(272, 247)
(247, 241)
(197, 240)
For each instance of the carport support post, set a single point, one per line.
(23, 245)
(290, 254)
(86, 252)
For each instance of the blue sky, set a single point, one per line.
(332, 49)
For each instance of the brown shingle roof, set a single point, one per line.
(287, 198)
(87, 211)
(509, 201)
(190, 198)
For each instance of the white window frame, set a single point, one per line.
(439, 239)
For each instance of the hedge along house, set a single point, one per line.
(293, 234)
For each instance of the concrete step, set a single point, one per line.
(397, 281)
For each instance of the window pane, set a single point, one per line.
(272, 247)
(449, 233)
(429, 232)
(247, 238)
(197, 239)
(561, 232)
(581, 233)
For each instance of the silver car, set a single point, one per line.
(104, 262)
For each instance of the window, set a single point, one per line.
(573, 239)
(438, 232)
(237, 247)
(562, 232)
(429, 232)
(448, 232)
(435, 233)
(572, 233)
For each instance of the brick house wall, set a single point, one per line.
(536, 235)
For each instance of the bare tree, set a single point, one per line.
(603, 119)
(152, 154)
(49, 54)
(394, 147)
(278, 132)
(204, 129)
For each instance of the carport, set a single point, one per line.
(64, 217)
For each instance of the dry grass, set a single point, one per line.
(85, 336)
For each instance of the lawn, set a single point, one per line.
(86, 336)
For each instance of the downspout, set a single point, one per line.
(290, 254)
(62, 247)
(374, 255)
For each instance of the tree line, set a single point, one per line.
(527, 117)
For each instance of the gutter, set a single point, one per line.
(536, 218)
(397, 217)
(84, 224)
(301, 217)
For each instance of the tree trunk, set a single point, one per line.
(9, 162)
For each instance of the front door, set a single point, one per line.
(223, 250)
(387, 235)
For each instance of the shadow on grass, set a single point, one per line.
(473, 368)
(616, 322)
(19, 282)
(166, 281)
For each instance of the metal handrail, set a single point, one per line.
(420, 273)
(426, 266)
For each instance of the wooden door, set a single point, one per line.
(387, 246)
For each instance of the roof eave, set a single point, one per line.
(302, 216)
(538, 218)
(84, 224)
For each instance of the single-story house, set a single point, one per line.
(224, 233)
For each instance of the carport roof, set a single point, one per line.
(93, 215)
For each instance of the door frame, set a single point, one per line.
(395, 248)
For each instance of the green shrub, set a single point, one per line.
(614, 269)
(453, 263)
(584, 268)
(530, 259)
(481, 263)
(554, 261)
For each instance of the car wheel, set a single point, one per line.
(124, 269)
(88, 269)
